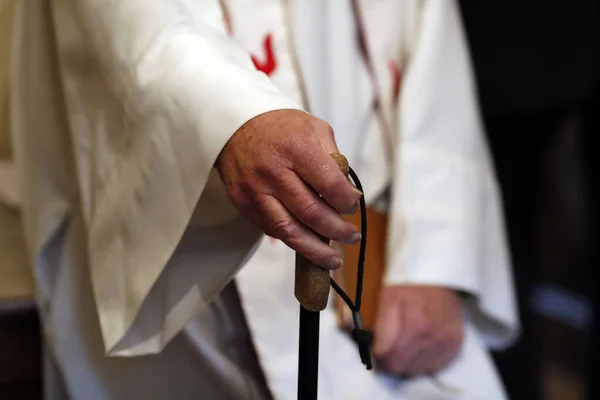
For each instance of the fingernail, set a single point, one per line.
(334, 262)
(354, 209)
(354, 239)
(355, 189)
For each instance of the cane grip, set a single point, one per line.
(311, 285)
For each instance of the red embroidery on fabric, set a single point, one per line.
(269, 63)
(396, 75)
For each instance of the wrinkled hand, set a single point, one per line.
(274, 169)
(419, 329)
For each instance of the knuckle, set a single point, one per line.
(320, 126)
(241, 194)
(287, 180)
(283, 229)
(266, 169)
(310, 211)
(262, 171)
(328, 130)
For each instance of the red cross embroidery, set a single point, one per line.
(269, 63)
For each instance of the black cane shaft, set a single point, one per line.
(308, 355)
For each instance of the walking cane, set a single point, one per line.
(312, 291)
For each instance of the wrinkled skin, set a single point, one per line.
(274, 169)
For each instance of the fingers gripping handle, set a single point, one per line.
(312, 282)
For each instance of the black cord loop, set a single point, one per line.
(361, 336)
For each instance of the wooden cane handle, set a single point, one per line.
(311, 285)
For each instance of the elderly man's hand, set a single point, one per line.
(278, 173)
(419, 329)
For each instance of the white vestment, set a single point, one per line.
(119, 109)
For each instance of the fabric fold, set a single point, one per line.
(148, 87)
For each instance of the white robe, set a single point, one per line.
(151, 90)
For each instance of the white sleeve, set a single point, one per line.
(154, 89)
(446, 215)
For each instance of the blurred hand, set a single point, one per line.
(274, 169)
(419, 329)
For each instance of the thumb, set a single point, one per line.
(387, 327)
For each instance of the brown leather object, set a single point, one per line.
(312, 283)
(373, 273)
